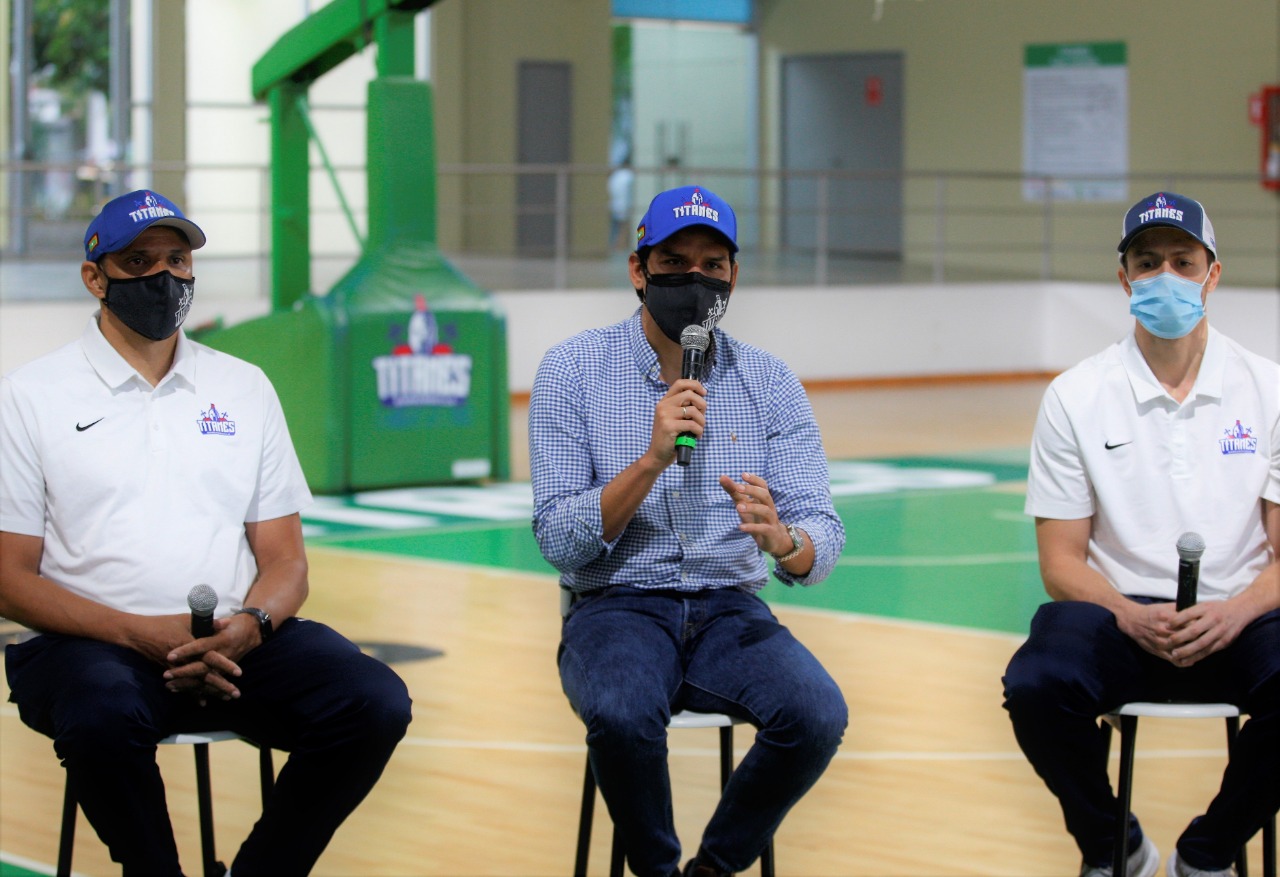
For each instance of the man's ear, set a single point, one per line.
(94, 279)
(635, 270)
(1124, 282)
(1215, 274)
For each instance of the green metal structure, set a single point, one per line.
(398, 374)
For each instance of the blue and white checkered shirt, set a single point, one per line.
(591, 416)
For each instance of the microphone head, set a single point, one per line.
(1190, 546)
(202, 600)
(694, 337)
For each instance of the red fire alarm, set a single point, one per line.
(1269, 120)
(873, 90)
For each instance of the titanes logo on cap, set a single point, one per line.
(1161, 208)
(696, 206)
(151, 208)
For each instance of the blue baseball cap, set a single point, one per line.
(675, 209)
(1171, 210)
(124, 218)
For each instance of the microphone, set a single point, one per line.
(202, 600)
(694, 340)
(1190, 547)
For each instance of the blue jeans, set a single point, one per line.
(629, 658)
(1077, 664)
(308, 691)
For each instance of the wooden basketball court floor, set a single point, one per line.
(932, 595)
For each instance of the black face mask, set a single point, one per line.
(154, 306)
(679, 300)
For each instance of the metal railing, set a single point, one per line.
(794, 226)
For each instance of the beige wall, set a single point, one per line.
(1191, 66)
(477, 46)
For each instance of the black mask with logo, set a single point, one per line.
(679, 300)
(154, 305)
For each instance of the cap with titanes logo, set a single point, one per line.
(124, 218)
(677, 209)
(1169, 210)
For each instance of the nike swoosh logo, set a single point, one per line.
(80, 428)
(1111, 447)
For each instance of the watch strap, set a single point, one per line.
(797, 545)
(264, 621)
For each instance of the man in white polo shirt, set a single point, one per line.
(1174, 429)
(136, 464)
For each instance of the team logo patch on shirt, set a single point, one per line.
(215, 422)
(1238, 440)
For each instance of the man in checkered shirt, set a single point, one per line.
(663, 562)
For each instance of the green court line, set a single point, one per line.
(962, 557)
(10, 868)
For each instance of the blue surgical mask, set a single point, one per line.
(1167, 306)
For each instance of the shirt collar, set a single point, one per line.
(646, 358)
(1143, 380)
(115, 372)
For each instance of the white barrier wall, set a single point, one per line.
(828, 333)
(856, 332)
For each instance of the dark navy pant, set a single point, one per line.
(308, 691)
(1077, 665)
(630, 657)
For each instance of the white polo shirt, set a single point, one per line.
(138, 492)
(1111, 444)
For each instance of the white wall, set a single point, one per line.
(899, 331)
(823, 333)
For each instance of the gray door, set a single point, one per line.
(843, 113)
(543, 130)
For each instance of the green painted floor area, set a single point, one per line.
(9, 869)
(934, 540)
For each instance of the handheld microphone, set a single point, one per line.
(203, 600)
(694, 340)
(1190, 547)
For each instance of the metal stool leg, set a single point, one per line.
(617, 855)
(204, 795)
(585, 818)
(1269, 848)
(266, 773)
(726, 771)
(584, 822)
(1124, 794)
(726, 755)
(1233, 728)
(68, 837)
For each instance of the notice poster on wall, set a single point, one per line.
(1075, 122)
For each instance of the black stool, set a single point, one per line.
(201, 741)
(1125, 718)
(685, 719)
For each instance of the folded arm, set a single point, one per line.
(41, 604)
(209, 664)
(1067, 575)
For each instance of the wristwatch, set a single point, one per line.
(797, 545)
(264, 621)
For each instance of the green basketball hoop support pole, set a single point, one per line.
(281, 78)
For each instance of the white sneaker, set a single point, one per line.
(1144, 862)
(1179, 868)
